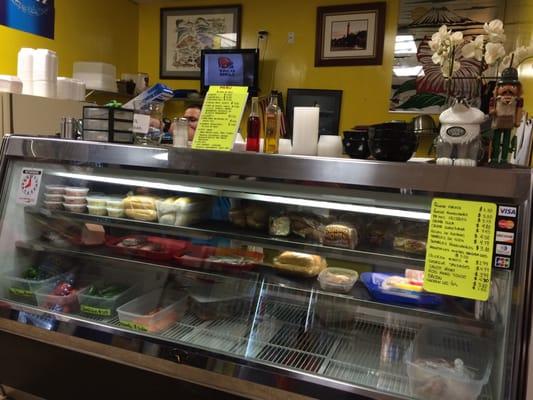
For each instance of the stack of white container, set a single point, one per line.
(96, 75)
(70, 89)
(37, 69)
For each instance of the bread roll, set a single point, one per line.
(140, 202)
(341, 235)
(300, 263)
(142, 215)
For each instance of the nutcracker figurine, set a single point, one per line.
(506, 110)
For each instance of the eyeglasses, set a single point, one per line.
(191, 119)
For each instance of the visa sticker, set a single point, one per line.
(505, 211)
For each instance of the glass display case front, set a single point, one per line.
(311, 270)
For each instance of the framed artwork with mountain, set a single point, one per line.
(418, 85)
(350, 34)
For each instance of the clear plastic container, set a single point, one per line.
(77, 208)
(103, 306)
(74, 200)
(66, 304)
(96, 136)
(23, 290)
(96, 124)
(123, 126)
(53, 205)
(97, 210)
(212, 301)
(469, 363)
(55, 189)
(96, 201)
(152, 313)
(126, 115)
(340, 280)
(76, 191)
(115, 202)
(115, 212)
(53, 197)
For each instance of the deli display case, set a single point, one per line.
(297, 273)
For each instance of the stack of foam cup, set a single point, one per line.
(25, 69)
(70, 89)
(44, 73)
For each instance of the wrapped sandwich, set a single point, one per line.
(302, 264)
(142, 208)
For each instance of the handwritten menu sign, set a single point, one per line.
(220, 118)
(459, 248)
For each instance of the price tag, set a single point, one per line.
(20, 292)
(133, 325)
(220, 118)
(141, 123)
(460, 248)
(102, 312)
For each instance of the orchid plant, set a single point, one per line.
(488, 49)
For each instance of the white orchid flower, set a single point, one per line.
(445, 68)
(494, 52)
(474, 49)
(495, 31)
(456, 38)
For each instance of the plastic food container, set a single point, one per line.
(23, 290)
(58, 198)
(96, 210)
(115, 212)
(340, 280)
(212, 301)
(53, 205)
(96, 201)
(103, 306)
(469, 360)
(373, 282)
(74, 200)
(77, 208)
(152, 313)
(55, 189)
(96, 124)
(66, 304)
(115, 202)
(76, 191)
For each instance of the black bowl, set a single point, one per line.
(392, 141)
(356, 148)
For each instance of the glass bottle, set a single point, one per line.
(254, 127)
(180, 132)
(273, 126)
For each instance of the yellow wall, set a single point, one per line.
(96, 30)
(366, 89)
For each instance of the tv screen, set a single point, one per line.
(230, 67)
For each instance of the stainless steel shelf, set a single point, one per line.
(249, 237)
(369, 354)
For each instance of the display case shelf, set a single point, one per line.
(278, 285)
(254, 238)
(355, 356)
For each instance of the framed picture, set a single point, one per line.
(329, 102)
(186, 31)
(350, 34)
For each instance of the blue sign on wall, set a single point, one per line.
(33, 16)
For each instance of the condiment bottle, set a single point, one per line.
(254, 127)
(273, 126)
(180, 133)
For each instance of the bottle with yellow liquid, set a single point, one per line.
(272, 126)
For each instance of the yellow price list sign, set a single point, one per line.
(220, 118)
(460, 248)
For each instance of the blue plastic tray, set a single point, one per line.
(373, 281)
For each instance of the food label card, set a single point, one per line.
(220, 118)
(460, 248)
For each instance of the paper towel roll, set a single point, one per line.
(305, 130)
(44, 65)
(45, 89)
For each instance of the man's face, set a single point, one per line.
(192, 115)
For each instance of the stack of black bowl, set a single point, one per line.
(355, 142)
(392, 141)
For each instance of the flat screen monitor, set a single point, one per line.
(230, 67)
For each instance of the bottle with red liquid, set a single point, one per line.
(253, 132)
